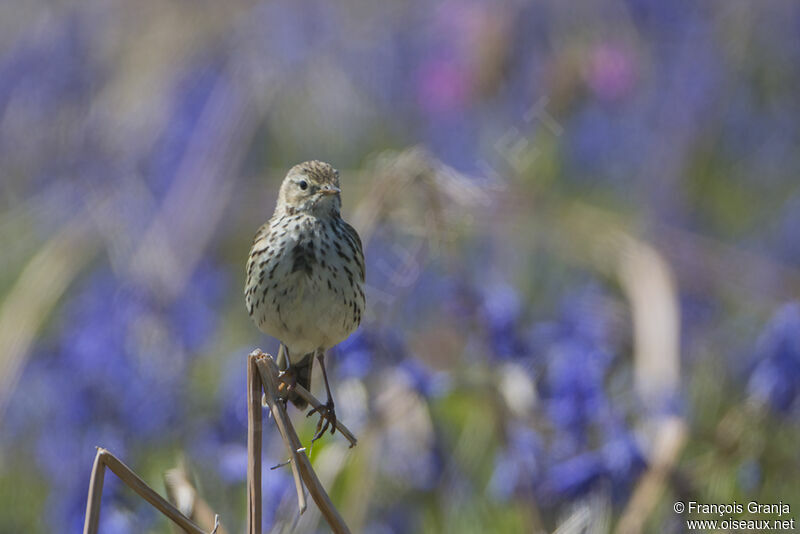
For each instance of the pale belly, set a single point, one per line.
(295, 296)
(309, 316)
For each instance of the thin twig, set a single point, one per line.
(105, 459)
(182, 493)
(282, 464)
(254, 432)
(283, 423)
(92, 521)
(147, 493)
(269, 377)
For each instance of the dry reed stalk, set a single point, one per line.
(305, 475)
(105, 459)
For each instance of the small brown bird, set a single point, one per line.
(305, 277)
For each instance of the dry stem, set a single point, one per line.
(262, 375)
(182, 493)
(105, 459)
(283, 423)
(268, 372)
(254, 432)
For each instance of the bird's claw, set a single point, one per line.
(327, 419)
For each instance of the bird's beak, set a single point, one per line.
(330, 191)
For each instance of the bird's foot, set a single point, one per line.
(327, 418)
(288, 382)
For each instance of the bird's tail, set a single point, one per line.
(302, 372)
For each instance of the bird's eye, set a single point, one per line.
(303, 184)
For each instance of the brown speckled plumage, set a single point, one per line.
(305, 272)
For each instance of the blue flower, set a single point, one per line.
(502, 315)
(232, 462)
(194, 316)
(519, 464)
(623, 461)
(125, 365)
(775, 379)
(589, 443)
(422, 378)
(191, 95)
(572, 477)
(355, 354)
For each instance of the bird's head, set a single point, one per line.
(311, 187)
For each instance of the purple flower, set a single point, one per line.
(775, 379)
(573, 477)
(422, 378)
(519, 464)
(194, 316)
(191, 96)
(589, 443)
(126, 368)
(443, 86)
(616, 464)
(610, 72)
(355, 354)
(623, 461)
(233, 394)
(501, 313)
(232, 458)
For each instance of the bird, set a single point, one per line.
(305, 279)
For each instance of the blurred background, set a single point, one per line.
(581, 224)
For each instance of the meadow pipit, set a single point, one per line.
(305, 277)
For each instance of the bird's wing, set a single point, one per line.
(353, 236)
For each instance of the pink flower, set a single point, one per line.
(610, 72)
(443, 86)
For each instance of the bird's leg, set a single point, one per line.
(326, 411)
(288, 376)
(282, 360)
